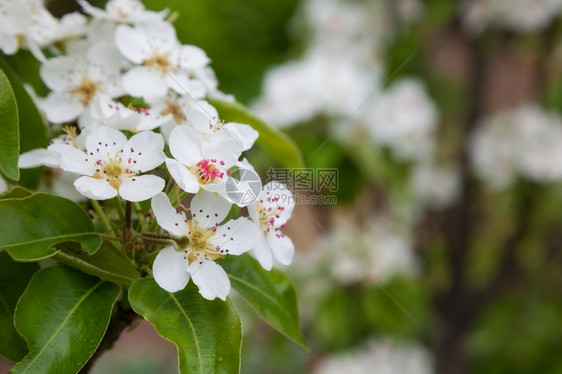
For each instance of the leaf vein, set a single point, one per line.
(192, 329)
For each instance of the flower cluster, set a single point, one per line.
(129, 106)
(524, 142)
(340, 81)
(516, 15)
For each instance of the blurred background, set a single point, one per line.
(438, 248)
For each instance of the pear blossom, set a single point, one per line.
(45, 157)
(269, 213)
(111, 164)
(379, 355)
(206, 242)
(522, 142)
(207, 124)
(75, 80)
(162, 62)
(114, 114)
(517, 15)
(175, 107)
(201, 162)
(404, 119)
(123, 11)
(434, 186)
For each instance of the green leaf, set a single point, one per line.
(33, 225)
(270, 293)
(14, 277)
(208, 334)
(15, 193)
(9, 138)
(107, 263)
(32, 130)
(279, 145)
(62, 315)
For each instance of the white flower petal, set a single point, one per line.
(132, 44)
(192, 57)
(37, 157)
(235, 236)
(263, 252)
(277, 194)
(183, 177)
(199, 120)
(61, 108)
(179, 82)
(144, 151)
(96, 189)
(72, 159)
(141, 188)
(8, 44)
(170, 270)
(253, 213)
(104, 61)
(60, 73)
(145, 82)
(209, 209)
(282, 247)
(185, 145)
(211, 279)
(104, 142)
(245, 134)
(223, 146)
(167, 217)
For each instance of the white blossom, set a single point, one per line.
(404, 119)
(75, 80)
(434, 186)
(162, 63)
(269, 213)
(207, 241)
(111, 164)
(524, 142)
(111, 113)
(123, 11)
(516, 15)
(379, 355)
(201, 162)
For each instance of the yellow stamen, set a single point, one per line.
(86, 90)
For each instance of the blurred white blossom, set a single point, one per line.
(373, 254)
(404, 119)
(524, 142)
(515, 15)
(434, 186)
(381, 356)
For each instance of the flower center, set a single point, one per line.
(175, 110)
(70, 135)
(199, 245)
(112, 170)
(86, 90)
(207, 171)
(158, 60)
(268, 215)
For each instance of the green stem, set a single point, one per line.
(108, 236)
(119, 207)
(127, 223)
(101, 215)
